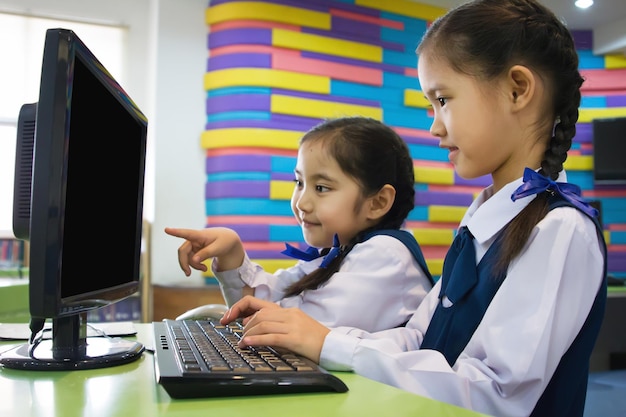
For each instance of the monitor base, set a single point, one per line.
(100, 352)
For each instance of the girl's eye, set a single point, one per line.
(298, 182)
(321, 189)
(442, 101)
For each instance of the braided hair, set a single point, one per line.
(373, 155)
(484, 38)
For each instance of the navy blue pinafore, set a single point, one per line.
(471, 288)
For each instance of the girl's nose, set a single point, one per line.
(437, 128)
(303, 203)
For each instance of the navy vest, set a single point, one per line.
(471, 289)
(409, 241)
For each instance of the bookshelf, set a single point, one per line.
(13, 258)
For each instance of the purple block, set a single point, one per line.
(616, 101)
(441, 198)
(237, 189)
(326, 97)
(363, 30)
(236, 163)
(237, 102)
(616, 261)
(340, 33)
(584, 133)
(250, 60)
(474, 182)
(583, 39)
(282, 176)
(277, 121)
(251, 232)
(254, 36)
(416, 140)
(318, 5)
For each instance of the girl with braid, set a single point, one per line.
(509, 328)
(354, 187)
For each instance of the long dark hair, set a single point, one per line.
(484, 38)
(374, 155)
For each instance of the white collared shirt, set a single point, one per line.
(532, 320)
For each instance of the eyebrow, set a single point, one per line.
(317, 176)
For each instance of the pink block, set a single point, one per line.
(367, 19)
(604, 79)
(334, 70)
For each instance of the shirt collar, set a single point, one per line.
(490, 212)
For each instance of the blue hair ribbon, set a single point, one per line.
(535, 183)
(312, 253)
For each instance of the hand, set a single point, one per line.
(268, 324)
(215, 242)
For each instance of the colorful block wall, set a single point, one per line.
(276, 68)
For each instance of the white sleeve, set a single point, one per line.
(266, 285)
(530, 323)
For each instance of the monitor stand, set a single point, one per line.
(71, 349)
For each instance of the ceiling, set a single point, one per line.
(607, 19)
(601, 13)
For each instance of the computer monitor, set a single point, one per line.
(79, 182)
(609, 151)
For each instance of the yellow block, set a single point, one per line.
(433, 237)
(614, 61)
(435, 266)
(250, 137)
(257, 10)
(446, 214)
(272, 265)
(264, 77)
(405, 8)
(429, 175)
(579, 163)
(307, 107)
(326, 45)
(281, 190)
(415, 98)
(587, 115)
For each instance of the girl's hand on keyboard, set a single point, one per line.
(268, 324)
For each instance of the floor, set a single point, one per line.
(606, 394)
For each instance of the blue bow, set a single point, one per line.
(535, 183)
(308, 255)
(313, 253)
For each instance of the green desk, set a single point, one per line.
(130, 390)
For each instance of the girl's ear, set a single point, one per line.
(521, 84)
(381, 202)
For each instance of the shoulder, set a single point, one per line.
(383, 248)
(568, 222)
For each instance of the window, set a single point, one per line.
(21, 53)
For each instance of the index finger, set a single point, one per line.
(182, 233)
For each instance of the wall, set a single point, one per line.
(166, 52)
(277, 67)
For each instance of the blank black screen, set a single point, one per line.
(609, 151)
(102, 220)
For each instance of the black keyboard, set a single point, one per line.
(200, 359)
